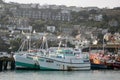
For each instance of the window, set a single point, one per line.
(49, 61)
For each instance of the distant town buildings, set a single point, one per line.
(73, 22)
(35, 11)
(98, 17)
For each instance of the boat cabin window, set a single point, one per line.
(77, 53)
(68, 52)
(76, 49)
(49, 61)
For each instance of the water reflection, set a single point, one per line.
(60, 75)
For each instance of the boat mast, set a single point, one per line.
(44, 42)
(59, 37)
(29, 38)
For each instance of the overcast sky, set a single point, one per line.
(78, 3)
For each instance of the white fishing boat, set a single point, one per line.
(64, 59)
(26, 58)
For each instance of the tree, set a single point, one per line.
(105, 18)
(15, 44)
(3, 46)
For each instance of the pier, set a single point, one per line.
(7, 63)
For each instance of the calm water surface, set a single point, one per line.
(60, 75)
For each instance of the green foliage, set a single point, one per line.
(114, 29)
(3, 45)
(15, 44)
(75, 32)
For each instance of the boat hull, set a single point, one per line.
(98, 66)
(22, 62)
(116, 65)
(63, 64)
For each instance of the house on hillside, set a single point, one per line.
(51, 28)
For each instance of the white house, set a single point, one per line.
(51, 28)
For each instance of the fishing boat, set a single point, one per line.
(116, 63)
(100, 60)
(64, 59)
(95, 60)
(25, 57)
(25, 60)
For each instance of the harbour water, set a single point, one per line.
(60, 75)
